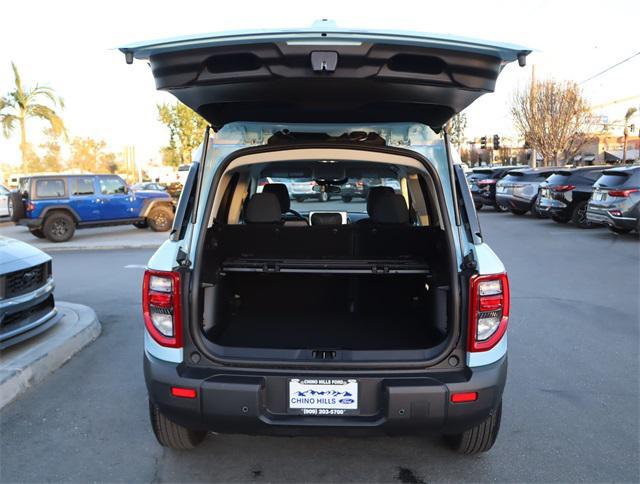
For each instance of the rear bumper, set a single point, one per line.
(30, 222)
(240, 401)
(513, 202)
(484, 197)
(603, 217)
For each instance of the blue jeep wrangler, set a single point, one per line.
(53, 206)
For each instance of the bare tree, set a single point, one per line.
(553, 116)
(456, 128)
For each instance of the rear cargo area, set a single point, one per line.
(326, 288)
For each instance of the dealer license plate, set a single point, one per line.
(323, 396)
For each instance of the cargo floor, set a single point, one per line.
(327, 331)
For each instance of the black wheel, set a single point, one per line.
(479, 438)
(347, 198)
(500, 208)
(324, 197)
(478, 206)
(58, 227)
(579, 216)
(16, 206)
(37, 233)
(618, 230)
(141, 225)
(299, 199)
(172, 435)
(518, 211)
(560, 220)
(160, 219)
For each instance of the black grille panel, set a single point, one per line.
(26, 280)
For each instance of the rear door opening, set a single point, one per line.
(334, 279)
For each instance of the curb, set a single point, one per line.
(30, 362)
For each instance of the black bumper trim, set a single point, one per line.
(245, 403)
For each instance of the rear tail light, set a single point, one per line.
(161, 307)
(464, 397)
(359, 184)
(486, 182)
(615, 213)
(623, 193)
(181, 392)
(562, 188)
(488, 311)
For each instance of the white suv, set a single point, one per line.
(265, 315)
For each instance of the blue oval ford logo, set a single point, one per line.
(346, 401)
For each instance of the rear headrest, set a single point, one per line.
(374, 193)
(279, 190)
(263, 208)
(389, 208)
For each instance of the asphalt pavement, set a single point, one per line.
(116, 237)
(570, 407)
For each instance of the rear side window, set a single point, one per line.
(82, 186)
(111, 186)
(50, 188)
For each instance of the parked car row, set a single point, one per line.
(586, 196)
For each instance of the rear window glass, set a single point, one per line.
(591, 176)
(612, 179)
(111, 186)
(49, 188)
(82, 186)
(510, 177)
(558, 179)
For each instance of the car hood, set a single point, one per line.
(16, 255)
(326, 74)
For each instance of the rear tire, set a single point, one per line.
(478, 206)
(37, 233)
(160, 219)
(324, 197)
(347, 199)
(517, 211)
(58, 227)
(299, 199)
(579, 216)
(172, 435)
(560, 220)
(479, 438)
(141, 225)
(500, 208)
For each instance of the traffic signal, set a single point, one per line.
(483, 142)
(496, 142)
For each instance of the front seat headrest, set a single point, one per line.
(390, 208)
(279, 190)
(263, 208)
(376, 192)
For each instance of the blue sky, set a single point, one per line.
(69, 46)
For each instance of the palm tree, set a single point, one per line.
(24, 103)
(627, 117)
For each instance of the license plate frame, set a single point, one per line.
(323, 396)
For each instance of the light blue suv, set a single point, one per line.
(266, 315)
